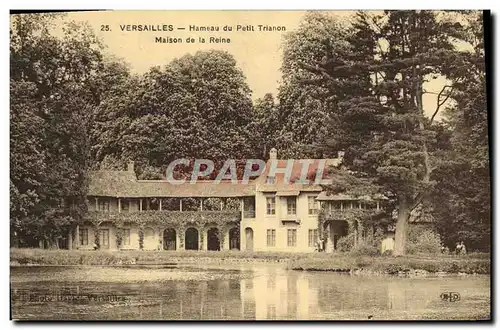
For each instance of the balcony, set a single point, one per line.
(349, 214)
(177, 218)
(290, 218)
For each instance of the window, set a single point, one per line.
(291, 205)
(270, 206)
(126, 237)
(292, 237)
(249, 207)
(104, 238)
(271, 237)
(313, 205)
(125, 205)
(313, 237)
(84, 236)
(103, 206)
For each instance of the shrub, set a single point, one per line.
(346, 243)
(364, 249)
(423, 241)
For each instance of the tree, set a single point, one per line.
(266, 124)
(57, 102)
(27, 157)
(461, 203)
(388, 140)
(305, 100)
(197, 106)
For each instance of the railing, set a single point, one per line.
(348, 213)
(290, 218)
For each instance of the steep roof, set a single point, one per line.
(280, 184)
(125, 184)
(111, 183)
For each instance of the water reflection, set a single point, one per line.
(256, 293)
(277, 295)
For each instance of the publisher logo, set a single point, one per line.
(450, 296)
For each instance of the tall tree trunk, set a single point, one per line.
(401, 227)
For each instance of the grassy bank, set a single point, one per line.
(394, 265)
(77, 257)
(341, 262)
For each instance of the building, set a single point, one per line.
(265, 214)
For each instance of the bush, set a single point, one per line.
(364, 249)
(423, 241)
(346, 243)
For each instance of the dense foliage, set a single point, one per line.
(391, 146)
(51, 100)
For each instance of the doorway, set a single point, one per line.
(249, 239)
(191, 238)
(169, 239)
(149, 239)
(213, 242)
(234, 238)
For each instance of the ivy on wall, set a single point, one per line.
(357, 219)
(179, 220)
(184, 219)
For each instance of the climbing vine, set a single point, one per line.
(141, 239)
(179, 220)
(119, 236)
(364, 218)
(198, 219)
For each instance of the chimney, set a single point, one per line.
(273, 153)
(130, 166)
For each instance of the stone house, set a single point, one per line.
(265, 214)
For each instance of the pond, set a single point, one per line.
(246, 292)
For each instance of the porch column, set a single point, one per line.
(77, 236)
(221, 204)
(222, 240)
(355, 234)
(181, 233)
(359, 204)
(160, 204)
(140, 204)
(147, 204)
(202, 239)
(329, 247)
(226, 243)
(178, 232)
(160, 238)
(201, 204)
(180, 204)
(119, 205)
(341, 206)
(70, 239)
(378, 205)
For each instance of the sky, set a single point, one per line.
(258, 53)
